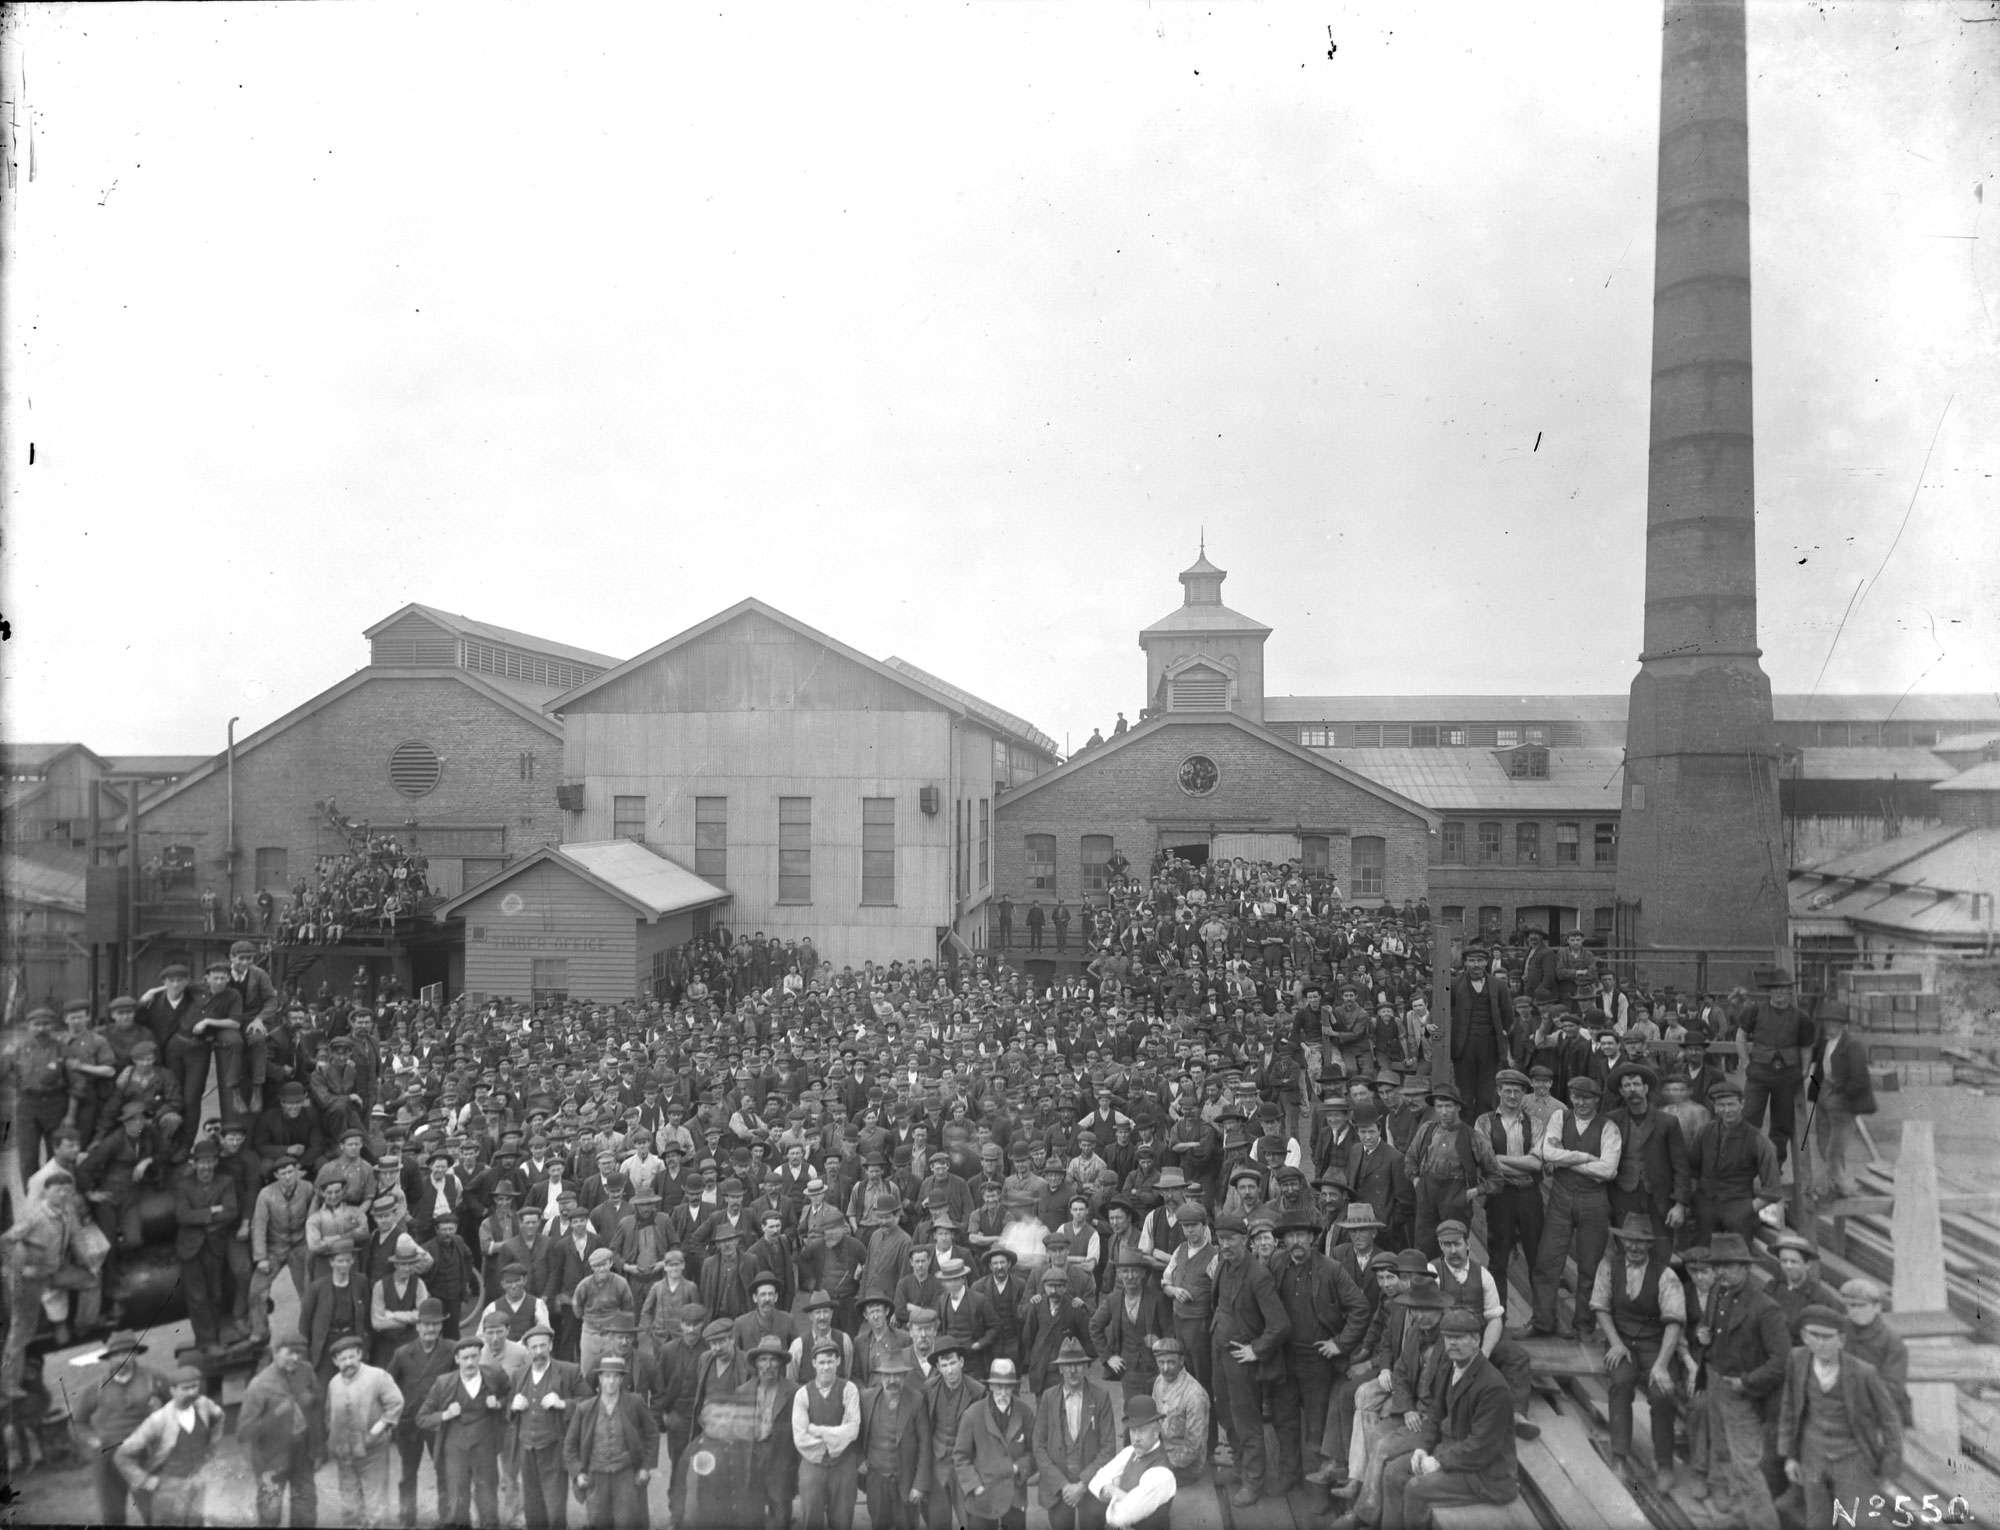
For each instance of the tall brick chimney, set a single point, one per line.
(1701, 857)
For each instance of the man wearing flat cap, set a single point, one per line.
(1247, 1345)
(275, 1428)
(610, 1450)
(1473, 1460)
(1747, 1347)
(1734, 1168)
(1482, 1018)
(1781, 1039)
(1580, 1149)
(166, 1458)
(1839, 1434)
(543, 1401)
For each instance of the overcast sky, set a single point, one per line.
(946, 330)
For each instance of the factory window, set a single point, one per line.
(414, 768)
(985, 842)
(1001, 775)
(1096, 863)
(795, 837)
(1536, 735)
(1395, 736)
(1507, 738)
(660, 984)
(878, 850)
(1453, 913)
(1313, 738)
(1454, 844)
(1489, 922)
(271, 868)
(1314, 851)
(1489, 843)
(550, 979)
(1452, 738)
(711, 838)
(628, 818)
(1601, 919)
(1527, 843)
(1605, 844)
(1528, 765)
(1369, 854)
(527, 764)
(1566, 843)
(1368, 735)
(1041, 862)
(1424, 735)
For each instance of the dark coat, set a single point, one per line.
(1042, 1335)
(1114, 1332)
(994, 1455)
(632, 1417)
(1871, 1412)
(1499, 1000)
(478, 1429)
(1849, 1086)
(1655, 1158)
(537, 1426)
(321, 1301)
(913, 1433)
(1476, 1433)
(204, 1214)
(1748, 1339)
(1097, 1442)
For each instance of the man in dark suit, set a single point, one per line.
(895, 1444)
(610, 1450)
(1075, 1435)
(467, 1409)
(994, 1454)
(1482, 1018)
(1653, 1175)
(1840, 1090)
(1473, 1461)
(548, 1391)
(206, 1214)
(415, 1367)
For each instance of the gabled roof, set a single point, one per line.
(465, 626)
(1086, 759)
(650, 884)
(983, 711)
(20, 759)
(162, 765)
(1925, 886)
(1203, 618)
(333, 693)
(899, 672)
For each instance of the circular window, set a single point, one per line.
(1198, 775)
(414, 768)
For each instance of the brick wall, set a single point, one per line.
(1132, 794)
(342, 751)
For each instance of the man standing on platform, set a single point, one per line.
(1653, 1178)
(1482, 1013)
(1747, 1347)
(1838, 1432)
(1734, 1168)
(826, 1421)
(206, 1213)
(1780, 1039)
(1581, 1150)
(1328, 1316)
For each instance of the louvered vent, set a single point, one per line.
(414, 641)
(1201, 690)
(414, 768)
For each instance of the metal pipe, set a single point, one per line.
(229, 850)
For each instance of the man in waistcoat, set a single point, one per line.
(1838, 1432)
(610, 1450)
(1580, 1149)
(1514, 1210)
(1780, 1038)
(467, 1411)
(1467, 1284)
(548, 1392)
(1247, 1344)
(1482, 1016)
(895, 1443)
(1641, 1311)
(1451, 1166)
(1075, 1435)
(1747, 1347)
(948, 1396)
(415, 1367)
(826, 1424)
(1137, 1485)
(1734, 1168)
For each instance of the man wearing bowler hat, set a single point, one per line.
(1246, 1347)
(948, 1396)
(415, 1367)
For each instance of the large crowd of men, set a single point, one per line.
(937, 1238)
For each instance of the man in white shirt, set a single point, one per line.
(826, 1421)
(1580, 1149)
(1137, 1486)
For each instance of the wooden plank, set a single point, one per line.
(1955, 1362)
(1565, 1472)
(1920, 1284)
(1927, 1325)
(1885, 1205)
(1563, 1357)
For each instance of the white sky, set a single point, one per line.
(945, 328)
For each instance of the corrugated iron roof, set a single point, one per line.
(466, 626)
(1874, 863)
(31, 882)
(643, 875)
(1455, 780)
(1980, 778)
(162, 765)
(998, 717)
(1444, 709)
(1880, 706)
(1833, 763)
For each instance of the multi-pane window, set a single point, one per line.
(1313, 738)
(1536, 735)
(1602, 917)
(1041, 855)
(1566, 842)
(1424, 735)
(549, 978)
(1454, 843)
(985, 842)
(1453, 913)
(1489, 843)
(878, 849)
(1507, 738)
(1489, 921)
(795, 855)
(1527, 843)
(711, 838)
(628, 818)
(1605, 844)
(1096, 863)
(1528, 765)
(1370, 865)
(1313, 850)
(961, 850)
(1452, 738)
